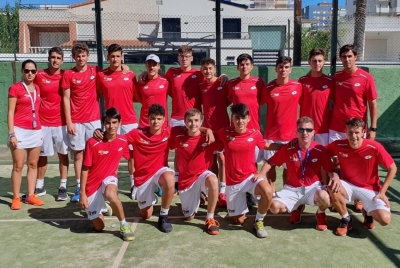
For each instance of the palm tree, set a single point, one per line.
(359, 27)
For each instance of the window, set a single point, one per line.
(171, 28)
(85, 31)
(231, 28)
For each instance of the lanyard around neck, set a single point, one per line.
(303, 164)
(33, 100)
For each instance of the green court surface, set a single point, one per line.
(58, 235)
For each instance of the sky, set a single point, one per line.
(68, 2)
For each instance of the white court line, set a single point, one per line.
(124, 246)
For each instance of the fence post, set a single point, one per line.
(99, 42)
(334, 37)
(218, 35)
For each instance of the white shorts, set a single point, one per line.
(176, 122)
(54, 137)
(236, 195)
(322, 138)
(190, 197)
(270, 153)
(336, 135)
(27, 138)
(291, 197)
(84, 131)
(124, 129)
(365, 195)
(96, 201)
(145, 192)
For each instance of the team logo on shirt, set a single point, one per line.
(161, 86)
(76, 81)
(204, 90)
(120, 149)
(293, 158)
(185, 145)
(45, 81)
(102, 152)
(307, 85)
(236, 88)
(343, 154)
(253, 88)
(274, 95)
(230, 138)
(219, 88)
(92, 77)
(357, 84)
(194, 76)
(145, 87)
(314, 160)
(250, 139)
(144, 141)
(340, 83)
(368, 157)
(177, 75)
(324, 86)
(126, 78)
(294, 92)
(107, 78)
(165, 139)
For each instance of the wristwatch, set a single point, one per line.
(11, 135)
(374, 129)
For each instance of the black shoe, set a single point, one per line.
(62, 194)
(164, 224)
(40, 191)
(251, 201)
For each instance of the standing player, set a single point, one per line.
(314, 102)
(118, 89)
(81, 106)
(282, 97)
(304, 159)
(99, 175)
(359, 159)
(195, 158)
(354, 91)
(215, 103)
(241, 173)
(53, 122)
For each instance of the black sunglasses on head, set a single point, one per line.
(27, 71)
(302, 130)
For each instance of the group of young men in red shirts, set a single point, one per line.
(216, 156)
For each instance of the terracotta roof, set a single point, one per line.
(88, 2)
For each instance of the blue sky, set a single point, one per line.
(67, 2)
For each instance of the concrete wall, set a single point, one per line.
(386, 80)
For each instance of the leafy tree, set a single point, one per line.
(6, 45)
(313, 38)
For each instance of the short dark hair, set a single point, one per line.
(192, 112)
(243, 57)
(79, 48)
(111, 113)
(347, 48)
(113, 48)
(355, 122)
(240, 109)
(207, 61)
(316, 52)
(156, 109)
(304, 120)
(57, 50)
(24, 63)
(284, 60)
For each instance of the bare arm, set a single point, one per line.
(373, 113)
(10, 119)
(83, 198)
(388, 180)
(67, 110)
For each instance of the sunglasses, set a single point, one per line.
(27, 71)
(302, 130)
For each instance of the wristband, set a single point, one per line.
(11, 135)
(374, 129)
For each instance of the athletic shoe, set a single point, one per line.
(260, 229)
(358, 205)
(212, 226)
(295, 217)
(77, 195)
(251, 200)
(159, 191)
(109, 211)
(62, 194)
(16, 203)
(321, 221)
(133, 195)
(368, 220)
(203, 199)
(344, 226)
(40, 191)
(126, 232)
(222, 200)
(33, 200)
(164, 224)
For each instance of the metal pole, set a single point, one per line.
(218, 35)
(288, 36)
(297, 34)
(334, 36)
(99, 43)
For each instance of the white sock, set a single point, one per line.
(210, 215)
(78, 183)
(164, 211)
(222, 187)
(63, 183)
(122, 222)
(259, 216)
(132, 180)
(320, 211)
(39, 183)
(345, 216)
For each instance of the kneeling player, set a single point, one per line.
(304, 159)
(99, 175)
(359, 159)
(241, 173)
(195, 154)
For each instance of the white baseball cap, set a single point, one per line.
(153, 57)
